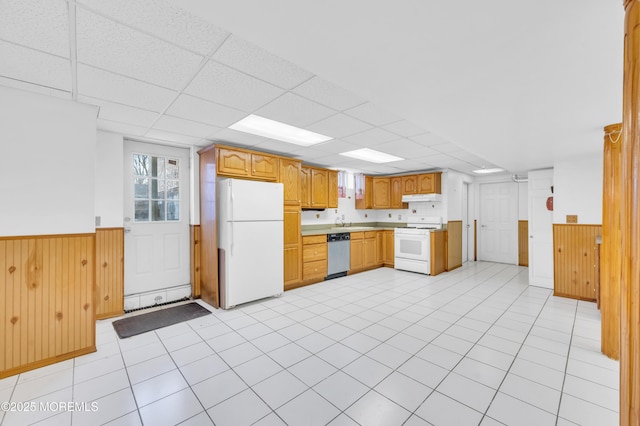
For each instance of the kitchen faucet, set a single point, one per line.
(338, 221)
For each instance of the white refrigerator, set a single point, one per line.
(250, 240)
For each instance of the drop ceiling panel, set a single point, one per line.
(121, 113)
(428, 139)
(412, 165)
(161, 19)
(34, 67)
(39, 24)
(404, 128)
(272, 145)
(237, 138)
(328, 94)
(332, 160)
(105, 44)
(185, 127)
(336, 146)
(372, 114)
(294, 110)
(18, 84)
(101, 84)
(223, 85)
(255, 61)
(207, 112)
(401, 148)
(338, 126)
(445, 147)
(172, 137)
(371, 137)
(122, 128)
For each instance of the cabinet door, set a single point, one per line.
(369, 252)
(292, 266)
(333, 189)
(233, 163)
(264, 167)
(292, 256)
(388, 247)
(409, 185)
(396, 193)
(290, 178)
(380, 248)
(319, 188)
(291, 225)
(426, 184)
(357, 254)
(305, 187)
(381, 193)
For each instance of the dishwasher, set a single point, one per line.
(338, 246)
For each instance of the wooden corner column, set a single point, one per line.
(630, 222)
(610, 248)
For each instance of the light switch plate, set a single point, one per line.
(572, 218)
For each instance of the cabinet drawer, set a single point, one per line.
(313, 252)
(314, 239)
(357, 235)
(317, 269)
(370, 234)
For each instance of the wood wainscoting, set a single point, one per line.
(109, 272)
(194, 236)
(47, 309)
(523, 243)
(454, 244)
(576, 273)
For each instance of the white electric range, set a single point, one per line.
(412, 245)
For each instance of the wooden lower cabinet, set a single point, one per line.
(438, 252)
(380, 248)
(357, 251)
(314, 258)
(367, 250)
(388, 244)
(370, 246)
(292, 258)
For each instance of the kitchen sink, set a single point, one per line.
(352, 228)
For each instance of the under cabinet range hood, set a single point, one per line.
(414, 198)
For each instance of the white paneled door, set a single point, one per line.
(540, 229)
(498, 227)
(156, 218)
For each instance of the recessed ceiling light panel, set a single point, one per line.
(272, 129)
(484, 171)
(371, 156)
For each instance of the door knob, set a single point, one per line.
(127, 230)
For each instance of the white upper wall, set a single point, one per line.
(577, 185)
(109, 180)
(47, 165)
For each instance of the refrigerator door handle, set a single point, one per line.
(231, 236)
(231, 205)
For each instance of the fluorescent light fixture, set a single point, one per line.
(484, 171)
(371, 155)
(261, 126)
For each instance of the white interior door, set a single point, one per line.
(498, 222)
(540, 229)
(465, 222)
(156, 218)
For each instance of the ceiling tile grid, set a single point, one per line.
(163, 20)
(294, 110)
(226, 86)
(39, 24)
(372, 114)
(35, 67)
(185, 127)
(108, 45)
(35, 88)
(192, 108)
(105, 85)
(121, 113)
(172, 137)
(123, 128)
(249, 58)
(325, 93)
(339, 125)
(404, 128)
(237, 138)
(371, 137)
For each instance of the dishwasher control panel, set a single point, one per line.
(340, 236)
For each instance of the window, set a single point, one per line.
(156, 189)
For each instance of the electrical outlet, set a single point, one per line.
(98, 220)
(343, 217)
(399, 217)
(317, 215)
(389, 215)
(366, 215)
(572, 218)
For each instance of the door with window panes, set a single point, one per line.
(156, 220)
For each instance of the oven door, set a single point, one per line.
(412, 246)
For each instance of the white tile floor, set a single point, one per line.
(476, 346)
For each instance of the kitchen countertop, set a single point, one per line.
(358, 227)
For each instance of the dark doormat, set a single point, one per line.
(142, 323)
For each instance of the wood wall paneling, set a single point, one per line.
(630, 223)
(454, 244)
(109, 272)
(47, 312)
(610, 256)
(574, 260)
(438, 252)
(208, 228)
(195, 240)
(523, 242)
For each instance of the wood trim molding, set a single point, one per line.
(454, 244)
(195, 239)
(523, 243)
(109, 272)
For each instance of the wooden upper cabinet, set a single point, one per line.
(319, 188)
(290, 177)
(305, 187)
(264, 166)
(430, 183)
(396, 193)
(364, 191)
(241, 163)
(333, 189)
(409, 184)
(381, 193)
(232, 162)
